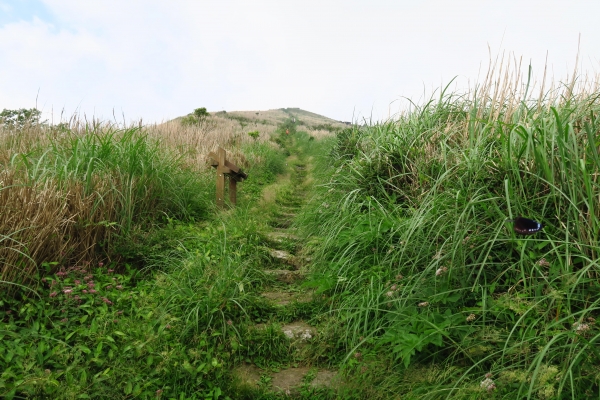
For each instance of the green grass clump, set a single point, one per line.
(68, 195)
(411, 241)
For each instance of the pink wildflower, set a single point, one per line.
(84, 291)
(68, 291)
(488, 384)
(100, 264)
(543, 263)
(120, 287)
(53, 294)
(580, 328)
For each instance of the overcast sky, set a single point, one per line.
(157, 60)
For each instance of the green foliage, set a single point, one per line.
(106, 331)
(411, 242)
(17, 119)
(94, 333)
(266, 162)
(172, 329)
(254, 134)
(326, 127)
(289, 125)
(201, 113)
(197, 117)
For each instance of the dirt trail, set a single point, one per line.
(289, 269)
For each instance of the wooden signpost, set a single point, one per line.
(225, 167)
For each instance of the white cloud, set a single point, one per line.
(158, 60)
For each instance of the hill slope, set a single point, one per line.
(311, 120)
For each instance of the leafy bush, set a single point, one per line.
(197, 117)
(18, 119)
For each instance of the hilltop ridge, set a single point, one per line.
(278, 116)
(275, 117)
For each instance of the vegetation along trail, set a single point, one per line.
(449, 253)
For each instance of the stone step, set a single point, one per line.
(281, 223)
(279, 236)
(286, 215)
(284, 298)
(285, 258)
(285, 276)
(299, 331)
(289, 381)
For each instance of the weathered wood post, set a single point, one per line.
(235, 174)
(221, 171)
(232, 191)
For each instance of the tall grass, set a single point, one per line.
(65, 194)
(425, 271)
(102, 329)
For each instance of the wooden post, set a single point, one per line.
(235, 174)
(221, 178)
(232, 190)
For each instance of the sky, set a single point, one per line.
(345, 59)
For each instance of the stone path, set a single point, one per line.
(288, 269)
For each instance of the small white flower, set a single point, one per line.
(488, 384)
(580, 328)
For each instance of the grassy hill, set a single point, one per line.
(304, 118)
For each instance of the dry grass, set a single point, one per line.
(196, 141)
(507, 86)
(45, 218)
(230, 131)
(42, 221)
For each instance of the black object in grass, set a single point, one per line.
(526, 226)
